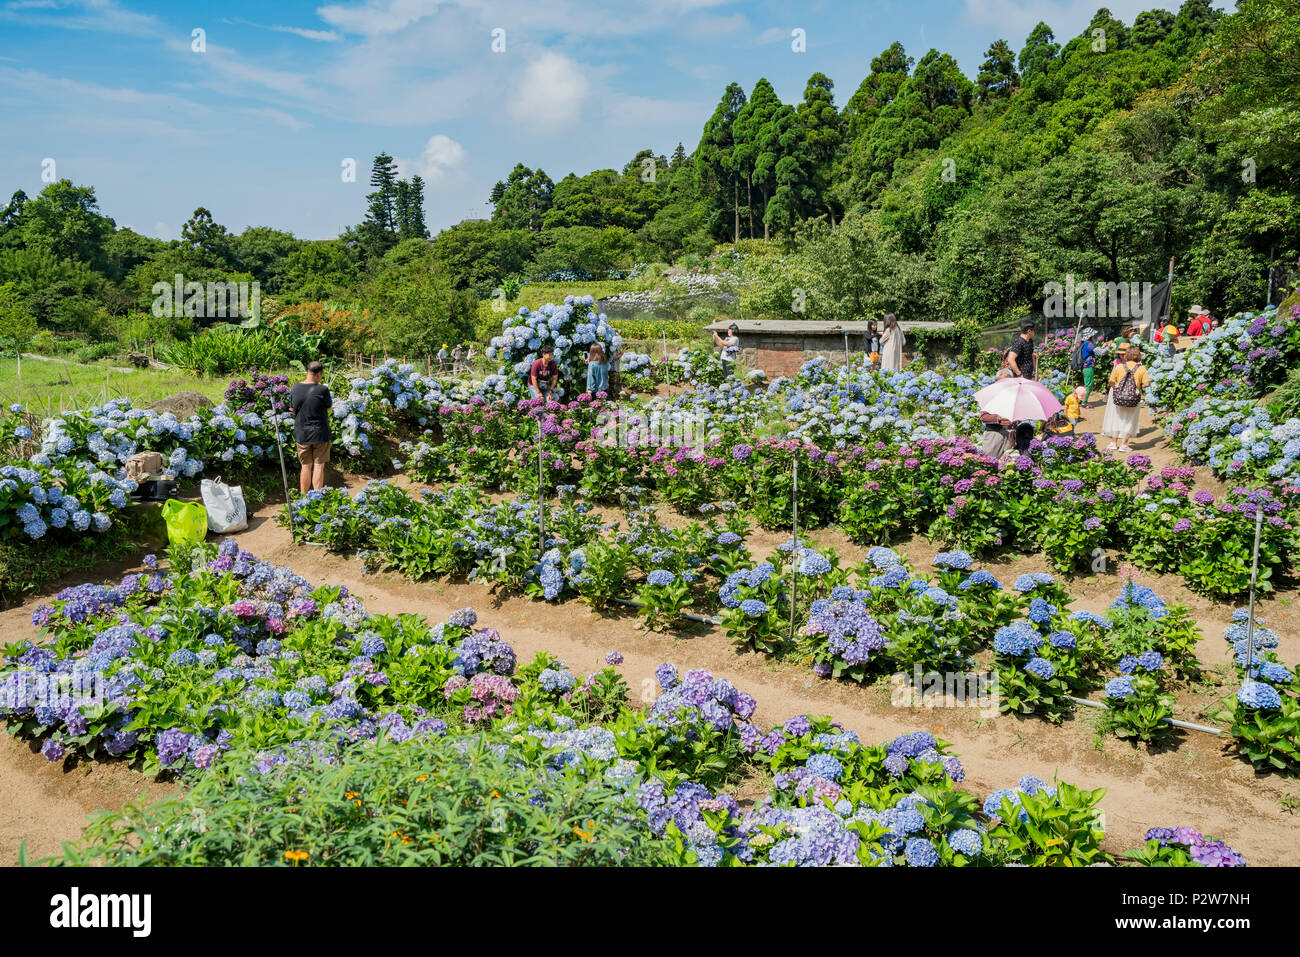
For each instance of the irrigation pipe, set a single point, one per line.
(1174, 721)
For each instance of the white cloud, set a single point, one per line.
(241, 75)
(46, 86)
(102, 16)
(377, 16)
(320, 36)
(279, 117)
(643, 111)
(372, 18)
(550, 93)
(440, 157)
(709, 26)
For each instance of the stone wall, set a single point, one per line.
(779, 355)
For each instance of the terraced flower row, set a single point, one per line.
(1062, 497)
(869, 622)
(314, 733)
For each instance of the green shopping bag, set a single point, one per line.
(186, 521)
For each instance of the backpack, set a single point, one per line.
(144, 465)
(1076, 358)
(1126, 391)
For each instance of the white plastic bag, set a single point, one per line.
(225, 504)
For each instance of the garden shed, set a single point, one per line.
(781, 346)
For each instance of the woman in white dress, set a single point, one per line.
(1127, 381)
(892, 341)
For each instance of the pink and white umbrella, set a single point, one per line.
(1018, 400)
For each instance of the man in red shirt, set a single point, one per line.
(544, 374)
(1196, 326)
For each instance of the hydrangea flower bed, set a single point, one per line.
(873, 467)
(1266, 708)
(570, 328)
(1240, 359)
(247, 680)
(874, 620)
(1238, 440)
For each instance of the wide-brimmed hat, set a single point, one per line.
(1198, 311)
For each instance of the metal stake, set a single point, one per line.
(284, 473)
(541, 500)
(1254, 576)
(794, 551)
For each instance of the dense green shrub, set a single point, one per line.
(441, 802)
(226, 349)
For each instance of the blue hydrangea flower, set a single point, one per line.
(965, 841)
(1258, 695)
(1041, 668)
(824, 766)
(920, 853)
(1121, 689)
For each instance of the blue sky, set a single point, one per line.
(256, 127)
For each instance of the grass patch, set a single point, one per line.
(50, 388)
(27, 567)
(536, 294)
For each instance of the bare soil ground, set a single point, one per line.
(1196, 781)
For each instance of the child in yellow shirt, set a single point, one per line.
(1072, 406)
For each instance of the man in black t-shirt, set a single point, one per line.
(1022, 352)
(310, 402)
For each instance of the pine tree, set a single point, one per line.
(417, 225)
(997, 77)
(715, 161)
(1152, 26)
(409, 209)
(523, 199)
(382, 203)
(823, 133)
(1039, 51)
(11, 219)
(888, 73)
(794, 195)
(208, 240)
(378, 232)
(755, 153)
(402, 207)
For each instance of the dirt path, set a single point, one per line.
(1194, 782)
(44, 804)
